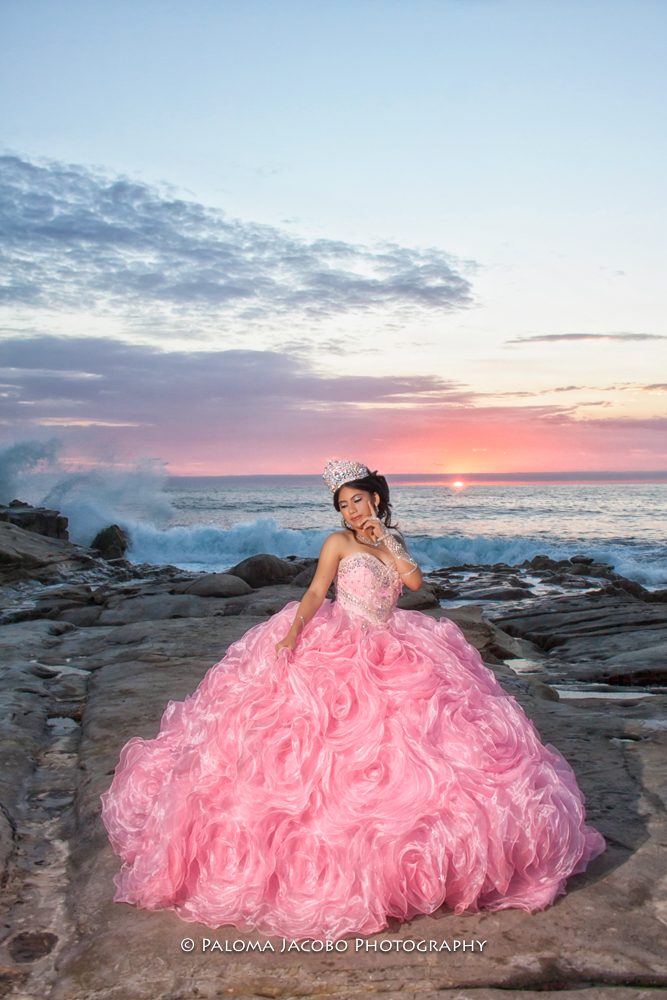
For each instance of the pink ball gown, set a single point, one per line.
(379, 770)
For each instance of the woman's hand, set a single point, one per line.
(374, 527)
(289, 642)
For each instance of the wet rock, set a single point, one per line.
(39, 520)
(544, 562)
(630, 587)
(215, 585)
(590, 570)
(111, 542)
(584, 560)
(264, 570)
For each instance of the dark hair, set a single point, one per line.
(371, 484)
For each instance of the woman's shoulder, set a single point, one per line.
(336, 539)
(337, 543)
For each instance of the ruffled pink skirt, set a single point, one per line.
(372, 773)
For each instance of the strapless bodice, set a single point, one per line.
(366, 588)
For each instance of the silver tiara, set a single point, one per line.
(337, 473)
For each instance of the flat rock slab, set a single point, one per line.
(637, 666)
(604, 939)
(615, 640)
(157, 607)
(160, 606)
(552, 623)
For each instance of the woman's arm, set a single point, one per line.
(406, 566)
(311, 601)
(408, 570)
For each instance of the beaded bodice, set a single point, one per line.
(366, 588)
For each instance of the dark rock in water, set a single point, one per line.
(629, 586)
(598, 570)
(546, 563)
(41, 521)
(581, 569)
(264, 570)
(215, 585)
(585, 560)
(541, 562)
(111, 542)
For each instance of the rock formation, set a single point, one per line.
(27, 555)
(91, 653)
(111, 542)
(41, 521)
(264, 570)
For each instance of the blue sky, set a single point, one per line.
(478, 186)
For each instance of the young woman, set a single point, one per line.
(345, 762)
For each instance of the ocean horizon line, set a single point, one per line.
(446, 478)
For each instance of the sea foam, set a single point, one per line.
(214, 549)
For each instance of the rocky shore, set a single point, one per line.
(93, 649)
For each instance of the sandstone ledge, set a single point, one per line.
(72, 696)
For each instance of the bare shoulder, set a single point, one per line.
(335, 544)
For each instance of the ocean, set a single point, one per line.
(212, 523)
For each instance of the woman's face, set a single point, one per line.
(355, 505)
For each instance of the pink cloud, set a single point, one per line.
(243, 412)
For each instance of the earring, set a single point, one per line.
(345, 524)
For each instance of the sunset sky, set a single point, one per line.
(243, 236)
